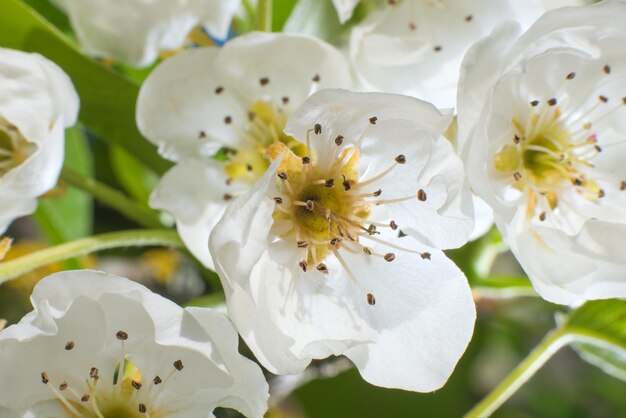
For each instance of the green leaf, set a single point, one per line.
(107, 98)
(315, 18)
(69, 217)
(132, 175)
(282, 10)
(599, 332)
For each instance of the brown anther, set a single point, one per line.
(601, 193)
(421, 195)
(282, 175)
(317, 128)
(517, 176)
(624, 100)
(93, 373)
(577, 182)
(121, 335)
(306, 160)
(316, 78)
(44, 378)
(542, 216)
(469, 18)
(228, 120)
(329, 183)
(346, 183)
(367, 251)
(622, 185)
(393, 225)
(437, 48)
(412, 26)
(227, 196)
(69, 345)
(136, 384)
(389, 257)
(201, 135)
(377, 193)
(249, 167)
(534, 103)
(571, 76)
(371, 300)
(251, 116)
(264, 81)
(371, 230)
(303, 265)
(335, 241)
(321, 267)
(339, 140)
(516, 138)
(391, 2)
(178, 365)
(373, 120)
(157, 380)
(219, 90)
(603, 99)
(606, 69)
(302, 244)
(552, 102)
(598, 148)
(278, 200)
(401, 159)
(64, 385)
(285, 100)
(142, 408)
(425, 255)
(85, 398)
(310, 205)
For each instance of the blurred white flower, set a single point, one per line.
(311, 261)
(237, 97)
(37, 103)
(415, 47)
(98, 345)
(542, 129)
(136, 31)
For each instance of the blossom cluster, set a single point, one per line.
(322, 183)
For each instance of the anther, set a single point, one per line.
(317, 128)
(577, 182)
(302, 244)
(393, 225)
(306, 160)
(121, 335)
(264, 81)
(371, 300)
(421, 195)
(517, 176)
(469, 18)
(516, 138)
(542, 216)
(321, 267)
(622, 185)
(377, 193)
(373, 120)
(534, 103)
(93, 373)
(64, 385)
(346, 184)
(425, 255)
(624, 100)
(412, 26)
(142, 408)
(437, 48)
(69, 345)
(178, 365)
(310, 205)
(278, 200)
(601, 193)
(607, 69)
(367, 250)
(85, 398)
(316, 78)
(335, 241)
(329, 183)
(603, 99)
(227, 196)
(285, 100)
(371, 230)
(339, 140)
(219, 90)
(303, 265)
(44, 378)
(201, 135)
(552, 102)
(157, 380)
(571, 76)
(598, 148)
(401, 159)
(389, 257)
(282, 175)
(136, 384)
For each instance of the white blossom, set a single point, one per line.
(136, 31)
(541, 125)
(311, 261)
(237, 99)
(37, 103)
(98, 345)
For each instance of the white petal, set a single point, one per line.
(220, 14)
(345, 8)
(483, 218)
(13, 208)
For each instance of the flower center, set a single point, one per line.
(123, 394)
(14, 148)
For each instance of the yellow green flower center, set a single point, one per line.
(14, 148)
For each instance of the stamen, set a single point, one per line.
(371, 300)
(69, 345)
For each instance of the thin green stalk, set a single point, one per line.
(134, 238)
(264, 15)
(552, 343)
(132, 209)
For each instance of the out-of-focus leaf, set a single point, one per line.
(107, 98)
(69, 216)
(316, 18)
(136, 179)
(282, 10)
(599, 330)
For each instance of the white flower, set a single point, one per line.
(64, 358)
(238, 97)
(310, 259)
(136, 31)
(37, 103)
(541, 125)
(415, 47)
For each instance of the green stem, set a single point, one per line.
(264, 15)
(552, 343)
(133, 210)
(134, 238)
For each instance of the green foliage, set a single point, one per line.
(132, 175)
(107, 98)
(316, 18)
